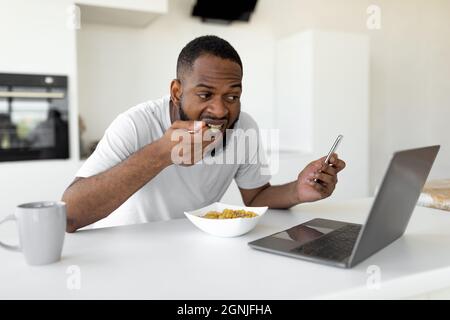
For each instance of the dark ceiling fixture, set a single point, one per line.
(224, 11)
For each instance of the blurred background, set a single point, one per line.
(376, 71)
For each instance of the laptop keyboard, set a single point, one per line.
(336, 245)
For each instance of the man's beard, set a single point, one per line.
(185, 117)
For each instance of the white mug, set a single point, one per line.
(42, 227)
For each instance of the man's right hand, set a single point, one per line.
(186, 142)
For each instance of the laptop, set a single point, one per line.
(344, 244)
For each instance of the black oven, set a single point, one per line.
(33, 117)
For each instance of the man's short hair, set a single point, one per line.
(209, 44)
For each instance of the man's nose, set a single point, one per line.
(217, 108)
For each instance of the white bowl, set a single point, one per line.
(225, 227)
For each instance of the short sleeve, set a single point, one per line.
(253, 172)
(117, 144)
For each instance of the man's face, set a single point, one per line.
(209, 92)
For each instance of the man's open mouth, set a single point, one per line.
(215, 127)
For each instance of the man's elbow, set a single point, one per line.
(71, 225)
(70, 229)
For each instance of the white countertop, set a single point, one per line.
(175, 260)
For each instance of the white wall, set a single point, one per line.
(322, 91)
(409, 67)
(35, 39)
(109, 74)
(411, 82)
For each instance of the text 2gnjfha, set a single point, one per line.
(232, 309)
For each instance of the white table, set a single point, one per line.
(175, 260)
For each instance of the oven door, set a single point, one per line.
(33, 122)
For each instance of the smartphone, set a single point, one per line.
(332, 150)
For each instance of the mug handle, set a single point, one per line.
(11, 217)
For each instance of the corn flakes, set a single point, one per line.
(229, 214)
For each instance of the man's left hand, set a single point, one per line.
(308, 190)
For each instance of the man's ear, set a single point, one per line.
(176, 91)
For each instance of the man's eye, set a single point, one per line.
(232, 98)
(204, 95)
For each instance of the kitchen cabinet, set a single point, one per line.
(130, 13)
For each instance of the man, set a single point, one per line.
(134, 168)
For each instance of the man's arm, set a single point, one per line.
(275, 197)
(304, 189)
(91, 199)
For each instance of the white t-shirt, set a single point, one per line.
(177, 188)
